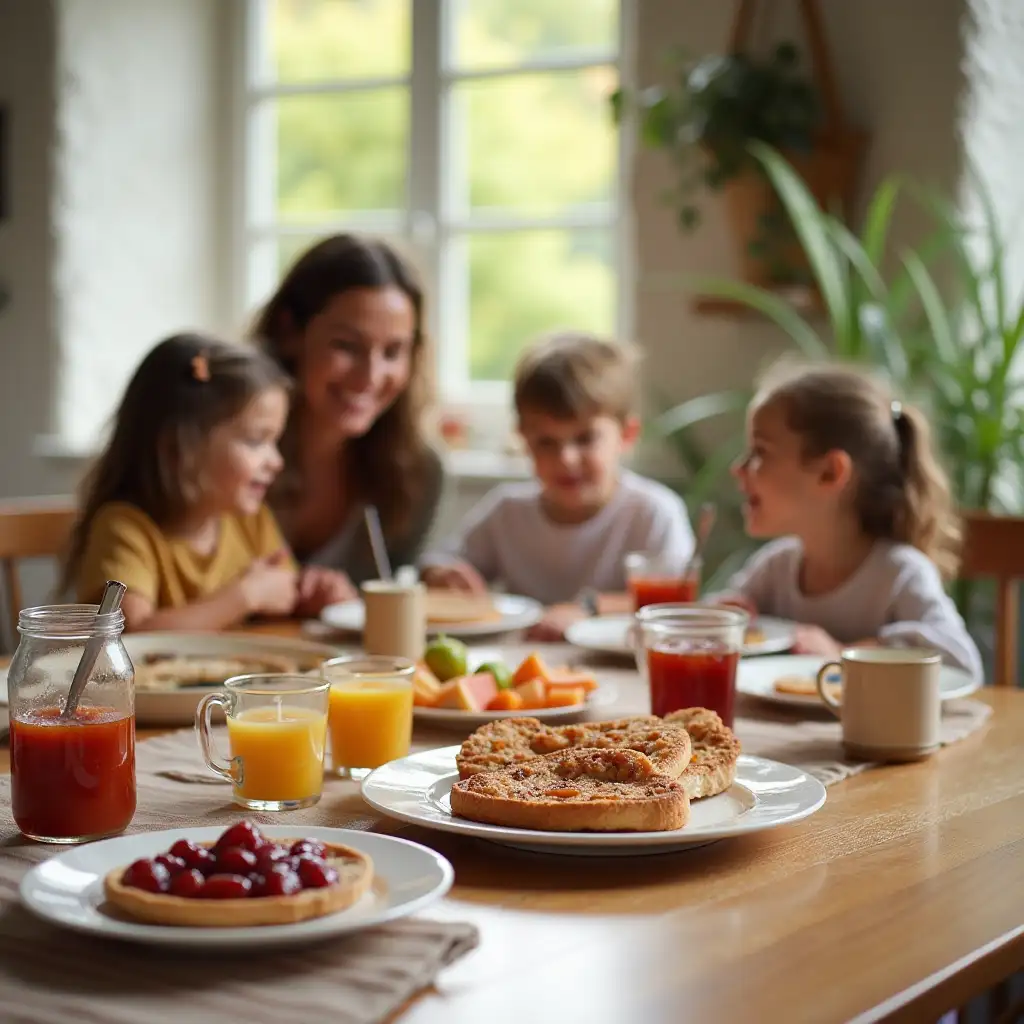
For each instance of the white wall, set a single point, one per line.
(135, 212)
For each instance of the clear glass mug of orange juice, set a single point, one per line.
(371, 711)
(277, 732)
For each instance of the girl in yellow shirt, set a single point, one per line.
(174, 508)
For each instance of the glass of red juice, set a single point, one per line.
(72, 777)
(688, 653)
(654, 579)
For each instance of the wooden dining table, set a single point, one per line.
(902, 898)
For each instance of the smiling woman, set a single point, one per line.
(347, 324)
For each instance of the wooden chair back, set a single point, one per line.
(36, 528)
(994, 549)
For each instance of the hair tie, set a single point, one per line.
(201, 368)
(896, 410)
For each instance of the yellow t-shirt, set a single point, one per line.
(125, 544)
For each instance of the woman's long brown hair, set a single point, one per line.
(187, 385)
(389, 465)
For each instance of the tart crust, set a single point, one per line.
(355, 874)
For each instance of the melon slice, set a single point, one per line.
(426, 688)
(468, 693)
(532, 667)
(568, 677)
(534, 694)
(565, 696)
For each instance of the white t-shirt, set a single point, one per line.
(896, 595)
(508, 539)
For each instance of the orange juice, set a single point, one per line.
(280, 750)
(371, 722)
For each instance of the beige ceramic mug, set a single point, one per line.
(395, 623)
(891, 706)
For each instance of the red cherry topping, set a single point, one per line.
(183, 848)
(193, 856)
(279, 883)
(315, 873)
(270, 854)
(147, 875)
(233, 860)
(188, 884)
(226, 887)
(244, 834)
(175, 865)
(308, 846)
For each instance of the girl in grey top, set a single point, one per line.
(846, 477)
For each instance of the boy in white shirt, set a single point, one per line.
(569, 530)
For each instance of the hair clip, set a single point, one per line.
(201, 368)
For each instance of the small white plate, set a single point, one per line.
(68, 889)
(609, 634)
(757, 679)
(516, 613)
(766, 794)
(178, 707)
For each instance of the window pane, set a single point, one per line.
(500, 33)
(341, 153)
(525, 283)
(319, 40)
(533, 144)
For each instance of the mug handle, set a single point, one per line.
(830, 702)
(230, 771)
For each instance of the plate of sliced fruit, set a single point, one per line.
(242, 886)
(456, 686)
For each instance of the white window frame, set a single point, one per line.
(428, 225)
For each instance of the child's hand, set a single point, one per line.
(269, 587)
(738, 601)
(814, 640)
(557, 619)
(457, 576)
(319, 586)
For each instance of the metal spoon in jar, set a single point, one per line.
(113, 592)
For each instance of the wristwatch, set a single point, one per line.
(588, 601)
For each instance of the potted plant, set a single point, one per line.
(716, 107)
(953, 349)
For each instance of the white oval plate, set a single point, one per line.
(178, 707)
(68, 889)
(766, 794)
(608, 634)
(603, 696)
(516, 613)
(757, 679)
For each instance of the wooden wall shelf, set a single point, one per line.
(803, 300)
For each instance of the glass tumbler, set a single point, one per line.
(652, 579)
(688, 653)
(371, 711)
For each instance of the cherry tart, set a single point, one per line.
(242, 879)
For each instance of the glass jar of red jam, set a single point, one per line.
(688, 653)
(72, 778)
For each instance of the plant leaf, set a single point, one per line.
(699, 409)
(767, 303)
(808, 221)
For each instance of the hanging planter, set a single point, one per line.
(723, 103)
